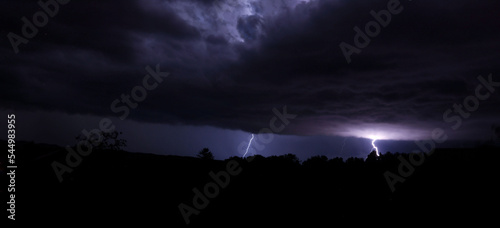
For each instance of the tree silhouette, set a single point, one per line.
(336, 161)
(354, 161)
(455, 178)
(291, 158)
(372, 156)
(319, 160)
(105, 140)
(205, 154)
(388, 156)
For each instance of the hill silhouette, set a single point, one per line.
(118, 187)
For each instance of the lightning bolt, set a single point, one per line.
(249, 143)
(342, 150)
(374, 147)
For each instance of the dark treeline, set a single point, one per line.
(117, 187)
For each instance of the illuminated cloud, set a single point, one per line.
(232, 62)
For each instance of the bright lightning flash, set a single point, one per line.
(374, 147)
(249, 143)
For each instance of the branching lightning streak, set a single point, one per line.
(374, 147)
(249, 143)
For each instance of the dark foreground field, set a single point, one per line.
(113, 187)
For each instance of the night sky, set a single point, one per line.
(231, 62)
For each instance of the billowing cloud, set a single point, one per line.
(232, 62)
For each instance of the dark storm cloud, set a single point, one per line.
(233, 61)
